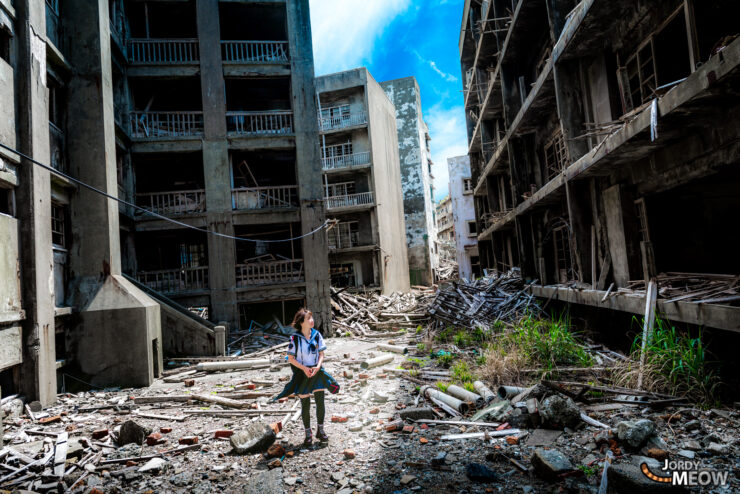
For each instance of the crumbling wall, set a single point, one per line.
(463, 211)
(416, 180)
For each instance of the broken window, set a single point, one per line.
(343, 275)
(239, 21)
(6, 38)
(338, 150)
(344, 235)
(58, 225)
(340, 189)
(642, 216)
(472, 229)
(563, 263)
(162, 19)
(254, 315)
(171, 183)
(556, 154)
(7, 201)
(264, 179)
(716, 25)
(467, 186)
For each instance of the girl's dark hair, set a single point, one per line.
(301, 316)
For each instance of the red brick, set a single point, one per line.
(396, 425)
(338, 418)
(251, 386)
(154, 438)
(188, 440)
(224, 434)
(349, 454)
(189, 382)
(276, 463)
(363, 376)
(423, 440)
(424, 426)
(503, 426)
(282, 400)
(375, 411)
(277, 427)
(130, 463)
(100, 433)
(275, 451)
(49, 420)
(165, 430)
(408, 429)
(512, 440)
(289, 454)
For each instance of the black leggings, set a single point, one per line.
(306, 409)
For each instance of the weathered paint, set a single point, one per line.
(416, 178)
(463, 211)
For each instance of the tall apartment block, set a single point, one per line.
(416, 179)
(362, 183)
(465, 228)
(604, 146)
(202, 111)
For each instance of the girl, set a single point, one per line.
(306, 355)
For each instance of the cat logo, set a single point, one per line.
(686, 473)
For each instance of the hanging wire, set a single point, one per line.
(326, 224)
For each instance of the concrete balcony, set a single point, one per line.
(254, 51)
(338, 122)
(173, 202)
(269, 273)
(347, 161)
(265, 197)
(163, 125)
(249, 123)
(359, 200)
(148, 51)
(169, 281)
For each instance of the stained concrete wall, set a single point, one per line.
(416, 180)
(463, 211)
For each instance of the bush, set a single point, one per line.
(461, 372)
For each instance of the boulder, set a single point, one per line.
(256, 438)
(549, 463)
(635, 433)
(132, 433)
(560, 411)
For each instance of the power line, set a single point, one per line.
(326, 223)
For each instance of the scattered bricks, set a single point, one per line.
(339, 419)
(424, 427)
(349, 454)
(130, 463)
(408, 429)
(423, 440)
(49, 420)
(275, 451)
(223, 434)
(100, 433)
(253, 406)
(276, 463)
(512, 440)
(374, 411)
(70, 428)
(189, 383)
(188, 440)
(396, 425)
(165, 430)
(348, 374)
(154, 439)
(503, 426)
(95, 490)
(251, 386)
(282, 400)
(363, 376)
(382, 376)
(277, 427)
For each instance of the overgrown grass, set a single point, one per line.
(442, 386)
(675, 363)
(461, 372)
(536, 343)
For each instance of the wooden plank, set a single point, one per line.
(60, 454)
(647, 330)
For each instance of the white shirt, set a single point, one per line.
(306, 351)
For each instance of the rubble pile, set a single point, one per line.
(447, 269)
(497, 297)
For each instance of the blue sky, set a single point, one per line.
(400, 38)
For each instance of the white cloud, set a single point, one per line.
(345, 31)
(433, 65)
(449, 139)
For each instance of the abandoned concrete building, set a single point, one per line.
(445, 224)
(465, 228)
(604, 141)
(202, 111)
(362, 183)
(416, 179)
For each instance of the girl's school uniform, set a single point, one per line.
(306, 352)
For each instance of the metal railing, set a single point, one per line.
(285, 196)
(163, 51)
(175, 280)
(269, 273)
(173, 202)
(349, 200)
(255, 123)
(345, 161)
(254, 51)
(339, 239)
(342, 121)
(57, 148)
(155, 124)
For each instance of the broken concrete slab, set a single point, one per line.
(543, 437)
(132, 433)
(549, 463)
(635, 433)
(560, 411)
(419, 413)
(256, 438)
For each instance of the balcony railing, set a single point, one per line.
(255, 123)
(174, 202)
(254, 51)
(157, 124)
(342, 121)
(57, 151)
(343, 240)
(360, 199)
(175, 280)
(163, 51)
(269, 273)
(346, 161)
(265, 197)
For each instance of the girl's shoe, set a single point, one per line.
(309, 438)
(321, 435)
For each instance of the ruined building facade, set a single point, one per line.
(166, 105)
(416, 179)
(362, 183)
(465, 231)
(604, 145)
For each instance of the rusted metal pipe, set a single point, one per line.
(484, 391)
(448, 400)
(465, 395)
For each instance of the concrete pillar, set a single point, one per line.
(569, 96)
(220, 332)
(313, 214)
(615, 233)
(221, 251)
(38, 373)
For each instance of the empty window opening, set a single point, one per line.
(344, 235)
(264, 169)
(6, 39)
(642, 217)
(341, 189)
(162, 19)
(556, 155)
(53, 23)
(59, 225)
(166, 95)
(170, 183)
(338, 150)
(7, 201)
(716, 25)
(171, 250)
(467, 185)
(563, 265)
(258, 251)
(472, 229)
(253, 22)
(343, 275)
(258, 95)
(201, 311)
(255, 316)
